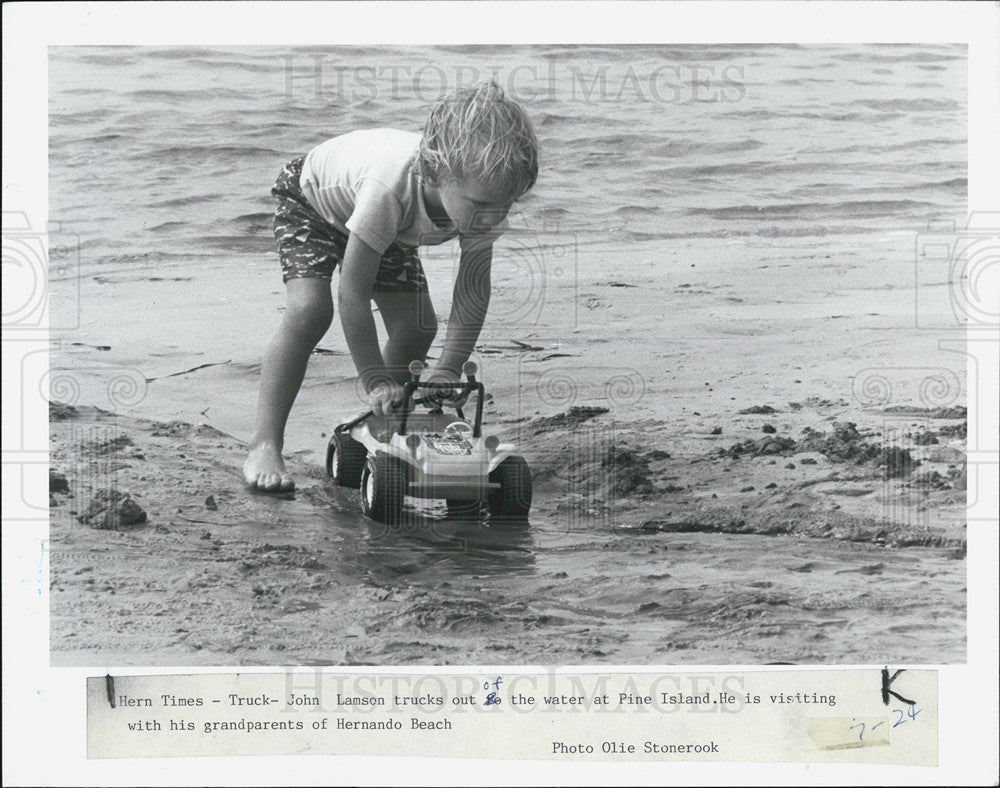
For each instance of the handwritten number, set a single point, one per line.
(911, 713)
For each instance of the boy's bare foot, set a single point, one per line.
(264, 470)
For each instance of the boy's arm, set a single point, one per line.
(470, 300)
(357, 277)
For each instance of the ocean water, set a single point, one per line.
(161, 156)
(161, 162)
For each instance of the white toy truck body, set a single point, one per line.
(430, 455)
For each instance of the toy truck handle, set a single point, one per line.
(461, 390)
(415, 384)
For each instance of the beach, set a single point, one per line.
(728, 373)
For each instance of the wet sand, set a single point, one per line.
(700, 493)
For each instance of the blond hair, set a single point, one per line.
(480, 133)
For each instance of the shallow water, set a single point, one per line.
(162, 157)
(542, 593)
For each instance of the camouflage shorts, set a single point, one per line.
(309, 246)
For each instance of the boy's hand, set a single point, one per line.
(447, 395)
(385, 398)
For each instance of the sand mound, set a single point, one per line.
(626, 472)
(60, 411)
(846, 443)
(955, 430)
(567, 420)
(757, 410)
(772, 444)
(843, 444)
(954, 412)
(112, 509)
(599, 472)
(58, 483)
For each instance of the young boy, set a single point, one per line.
(367, 200)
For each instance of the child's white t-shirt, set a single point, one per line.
(365, 182)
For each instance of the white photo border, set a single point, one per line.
(44, 731)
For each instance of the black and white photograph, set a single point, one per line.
(706, 422)
(543, 351)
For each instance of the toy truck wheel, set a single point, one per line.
(345, 460)
(383, 485)
(513, 499)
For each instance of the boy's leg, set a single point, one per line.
(411, 325)
(308, 315)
